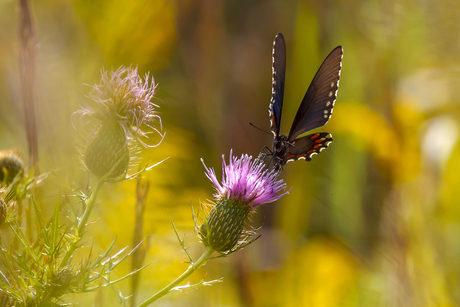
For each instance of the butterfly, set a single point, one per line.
(314, 111)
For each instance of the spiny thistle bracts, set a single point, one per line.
(108, 149)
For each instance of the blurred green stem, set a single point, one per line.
(82, 222)
(89, 206)
(192, 268)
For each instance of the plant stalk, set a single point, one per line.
(27, 76)
(82, 223)
(89, 206)
(192, 268)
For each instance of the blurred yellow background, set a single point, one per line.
(372, 221)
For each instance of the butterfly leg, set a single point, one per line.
(278, 164)
(263, 155)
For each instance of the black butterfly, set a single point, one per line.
(314, 111)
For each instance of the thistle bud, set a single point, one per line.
(246, 184)
(60, 282)
(10, 167)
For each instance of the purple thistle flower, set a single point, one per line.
(247, 181)
(245, 185)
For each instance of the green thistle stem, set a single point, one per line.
(89, 207)
(192, 268)
(82, 223)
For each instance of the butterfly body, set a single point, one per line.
(280, 146)
(314, 111)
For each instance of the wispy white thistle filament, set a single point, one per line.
(247, 181)
(126, 98)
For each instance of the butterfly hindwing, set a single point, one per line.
(318, 102)
(307, 146)
(278, 75)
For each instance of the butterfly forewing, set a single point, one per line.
(307, 146)
(278, 74)
(316, 107)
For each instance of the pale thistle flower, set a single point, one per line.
(122, 105)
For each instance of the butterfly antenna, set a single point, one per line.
(259, 128)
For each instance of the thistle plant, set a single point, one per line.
(15, 185)
(41, 270)
(245, 185)
(119, 106)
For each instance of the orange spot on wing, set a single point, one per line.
(314, 136)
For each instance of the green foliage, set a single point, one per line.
(36, 273)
